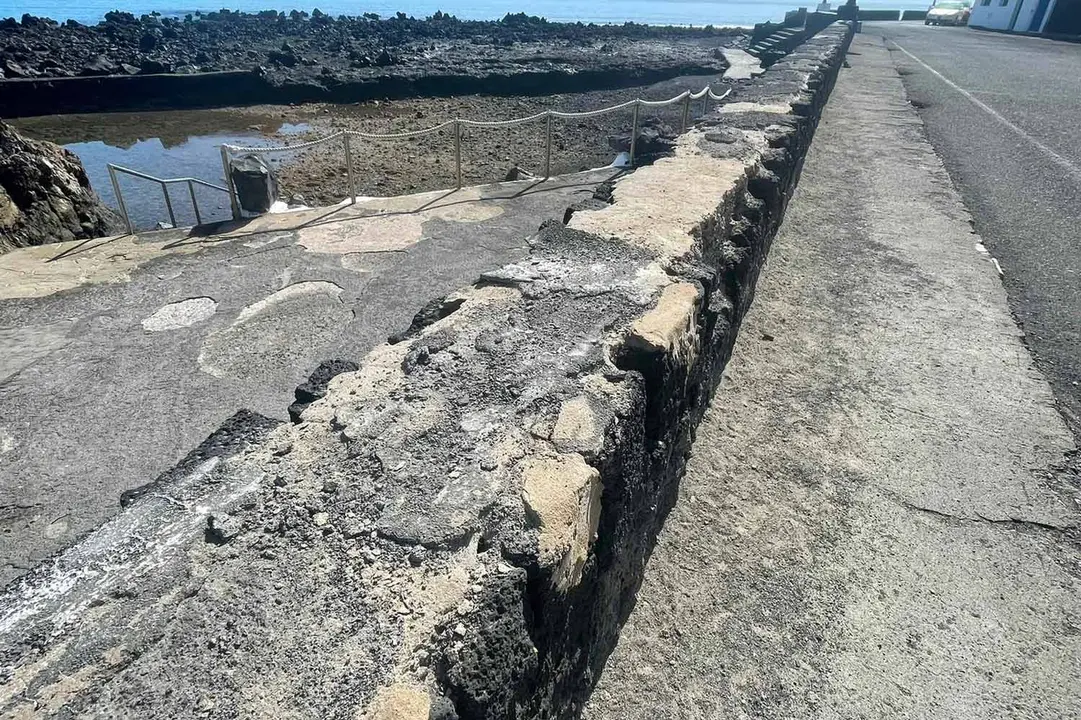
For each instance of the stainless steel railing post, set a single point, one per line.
(194, 203)
(168, 203)
(349, 170)
(458, 151)
(120, 200)
(634, 131)
(233, 202)
(548, 150)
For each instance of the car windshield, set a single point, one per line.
(950, 5)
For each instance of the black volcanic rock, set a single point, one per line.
(228, 40)
(45, 195)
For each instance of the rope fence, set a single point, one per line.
(705, 95)
(686, 97)
(345, 136)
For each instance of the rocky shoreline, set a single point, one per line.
(296, 57)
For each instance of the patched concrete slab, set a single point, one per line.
(184, 313)
(121, 354)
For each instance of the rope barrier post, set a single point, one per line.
(634, 130)
(458, 152)
(548, 150)
(120, 200)
(686, 111)
(194, 203)
(349, 169)
(168, 203)
(233, 203)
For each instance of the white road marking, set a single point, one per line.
(1053, 156)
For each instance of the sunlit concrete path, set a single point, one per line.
(876, 521)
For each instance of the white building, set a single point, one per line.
(1015, 15)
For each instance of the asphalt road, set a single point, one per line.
(1002, 112)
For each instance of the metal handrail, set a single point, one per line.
(164, 182)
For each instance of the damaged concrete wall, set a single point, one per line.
(457, 528)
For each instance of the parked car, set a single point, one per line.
(948, 12)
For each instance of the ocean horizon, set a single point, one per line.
(658, 12)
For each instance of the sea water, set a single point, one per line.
(676, 12)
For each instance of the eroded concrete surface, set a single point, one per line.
(456, 529)
(875, 520)
(122, 354)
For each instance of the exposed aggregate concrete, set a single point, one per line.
(457, 528)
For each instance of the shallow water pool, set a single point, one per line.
(163, 144)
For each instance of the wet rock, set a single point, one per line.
(45, 195)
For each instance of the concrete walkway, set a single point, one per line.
(875, 522)
(121, 355)
(1001, 111)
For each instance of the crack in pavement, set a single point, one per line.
(1035, 524)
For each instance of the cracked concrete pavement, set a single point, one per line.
(1015, 99)
(879, 519)
(122, 354)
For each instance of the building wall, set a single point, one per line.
(1024, 17)
(1049, 10)
(996, 15)
(1064, 17)
(993, 15)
